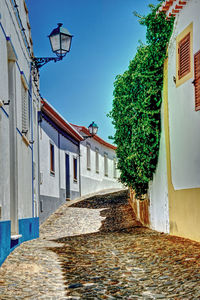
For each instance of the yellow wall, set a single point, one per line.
(184, 205)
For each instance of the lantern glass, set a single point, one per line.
(55, 42)
(93, 128)
(65, 42)
(60, 40)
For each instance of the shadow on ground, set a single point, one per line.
(125, 260)
(118, 212)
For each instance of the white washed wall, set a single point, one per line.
(184, 121)
(4, 136)
(50, 183)
(23, 154)
(91, 181)
(158, 189)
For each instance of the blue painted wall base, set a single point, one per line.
(28, 228)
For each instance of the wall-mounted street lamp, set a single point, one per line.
(60, 40)
(93, 128)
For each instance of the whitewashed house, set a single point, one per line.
(19, 103)
(59, 160)
(98, 163)
(181, 100)
(173, 205)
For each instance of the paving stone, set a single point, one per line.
(96, 249)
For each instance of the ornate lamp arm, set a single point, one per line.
(38, 62)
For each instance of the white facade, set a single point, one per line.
(158, 189)
(183, 122)
(185, 158)
(19, 103)
(63, 182)
(95, 179)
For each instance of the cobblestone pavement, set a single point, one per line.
(95, 249)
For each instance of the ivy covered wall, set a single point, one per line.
(136, 105)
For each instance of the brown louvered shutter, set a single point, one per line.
(197, 80)
(184, 56)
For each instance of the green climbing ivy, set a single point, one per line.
(136, 106)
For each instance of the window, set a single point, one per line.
(197, 80)
(25, 109)
(105, 164)
(88, 156)
(184, 55)
(52, 159)
(97, 160)
(75, 168)
(115, 168)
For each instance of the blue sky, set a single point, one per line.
(106, 35)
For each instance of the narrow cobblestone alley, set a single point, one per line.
(95, 249)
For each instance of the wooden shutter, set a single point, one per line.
(184, 56)
(197, 80)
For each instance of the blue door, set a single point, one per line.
(67, 168)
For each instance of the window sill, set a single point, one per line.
(183, 79)
(15, 237)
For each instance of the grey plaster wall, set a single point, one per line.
(48, 205)
(74, 195)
